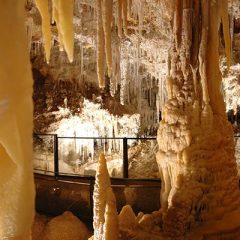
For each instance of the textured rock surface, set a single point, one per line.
(196, 146)
(66, 227)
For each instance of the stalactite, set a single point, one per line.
(138, 77)
(65, 25)
(81, 62)
(196, 29)
(119, 11)
(115, 79)
(29, 26)
(123, 89)
(203, 52)
(107, 25)
(214, 77)
(129, 7)
(100, 46)
(140, 21)
(226, 30)
(43, 9)
(55, 18)
(125, 14)
(178, 22)
(134, 9)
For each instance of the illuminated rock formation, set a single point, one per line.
(200, 193)
(62, 15)
(138, 57)
(16, 178)
(196, 156)
(196, 145)
(105, 220)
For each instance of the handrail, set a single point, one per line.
(124, 153)
(124, 149)
(101, 138)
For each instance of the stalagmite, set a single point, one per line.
(127, 218)
(107, 27)
(63, 15)
(196, 147)
(105, 220)
(43, 9)
(111, 218)
(16, 178)
(100, 46)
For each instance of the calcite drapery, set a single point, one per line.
(16, 178)
(196, 156)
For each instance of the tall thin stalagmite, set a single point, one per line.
(105, 221)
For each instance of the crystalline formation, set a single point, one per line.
(200, 193)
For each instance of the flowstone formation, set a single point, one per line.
(196, 144)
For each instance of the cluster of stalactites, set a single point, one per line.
(104, 29)
(198, 42)
(62, 15)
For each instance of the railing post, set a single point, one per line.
(125, 158)
(92, 182)
(56, 165)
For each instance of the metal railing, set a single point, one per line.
(48, 150)
(47, 154)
